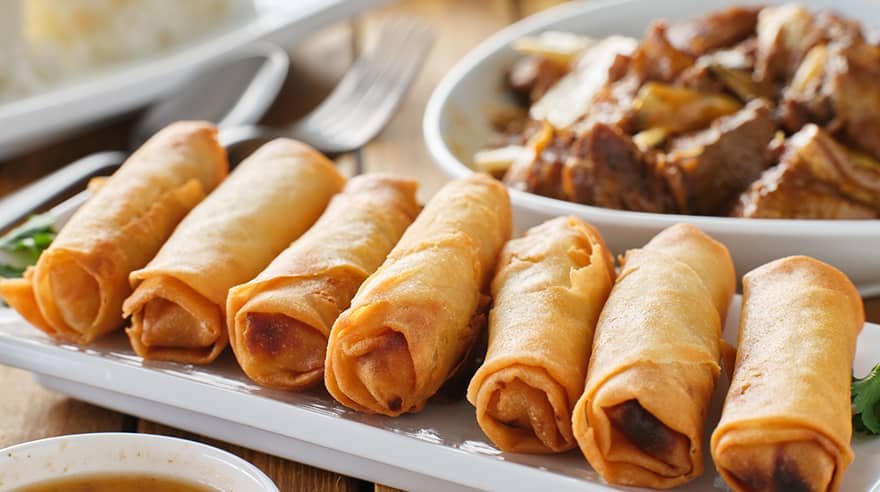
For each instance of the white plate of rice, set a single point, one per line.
(67, 63)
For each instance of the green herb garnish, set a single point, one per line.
(22, 246)
(866, 402)
(9, 271)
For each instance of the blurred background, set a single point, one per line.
(319, 55)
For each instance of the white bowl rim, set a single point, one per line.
(443, 156)
(225, 456)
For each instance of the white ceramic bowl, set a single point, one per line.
(67, 456)
(455, 126)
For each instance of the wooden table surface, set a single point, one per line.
(27, 411)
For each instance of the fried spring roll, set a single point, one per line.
(408, 327)
(548, 291)
(75, 291)
(178, 306)
(655, 361)
(786, 423)
(279, 322)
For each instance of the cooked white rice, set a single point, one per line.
(45, 41)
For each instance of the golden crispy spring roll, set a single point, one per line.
(786, 423)
(408, 327)
(548, 291)
(178, 306)
(279, 322)
(76, 290)
(19, 294)
(655, 361)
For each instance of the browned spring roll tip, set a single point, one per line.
(786, 423)
(409, 326)
(548, 290)
(296, 346)
(76, 290)
(279, 321)
(178, 307)
(655, 360)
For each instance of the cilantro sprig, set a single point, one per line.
(22, 246)
(866, 402)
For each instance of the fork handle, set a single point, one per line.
(16, 206)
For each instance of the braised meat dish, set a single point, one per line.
(769, 112)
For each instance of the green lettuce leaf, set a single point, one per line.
(21, 247)
(866, 402)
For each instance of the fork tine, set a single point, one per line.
(355, 113)
(350, 82)
(387, 70)
(370, 111)
(371, 116)
(384, 108)
(363, 73)
(375, 112)
(408, 66)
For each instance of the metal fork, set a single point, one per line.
(364, 100)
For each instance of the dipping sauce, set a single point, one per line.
(113, 482)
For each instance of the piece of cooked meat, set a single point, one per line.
(788, 32)
(836, 86)
(657, 59)
(806, 99)
(783, 40)
(539, 169)
(788, 192)
(606, 169)
(612, 105)
(853, 175)
(719, 29)
(531, 77)
(570, 98)
(816, 178)
(727, 70)
(654, 60)
(830, 27)
(854, 93)
(700, 77)
(708, 169)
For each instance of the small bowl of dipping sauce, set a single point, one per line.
(123, 462)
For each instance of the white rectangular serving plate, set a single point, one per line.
(72, 104)
(441, 448)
